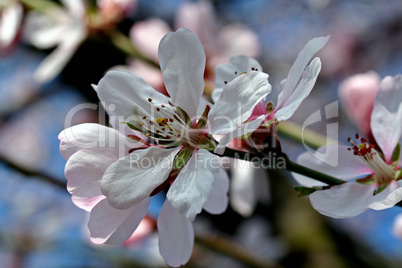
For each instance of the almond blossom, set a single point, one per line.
(170, 144)
(295, 89)
(373, 173)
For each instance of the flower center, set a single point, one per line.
(168, 125)
(384, 173)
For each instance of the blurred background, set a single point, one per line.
(52, 51)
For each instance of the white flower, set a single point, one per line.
(117, 190)
(373, 174)
(295, 88)
(62, 28)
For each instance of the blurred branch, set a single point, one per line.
(32, 173)
(235, 251)
(305, 136)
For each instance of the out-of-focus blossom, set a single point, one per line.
(199, 17)
(66, 27)
(249, 185)
(339, 53)
(358, 94)
(397, 227)
(373, 174)
(62, 27)
(10, 22)
(115, 184)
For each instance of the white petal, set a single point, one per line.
(217, 201)
(192, 186)
(10, 21)
(176, 236)
(75, 7)
(304, 57)
(84, 170)
(237, 101)
(237, 132)
(53, 64)
(182, 61)
(86, 203)
(147, 34)
(388, 197)
(303, 89)
(202, 105)
(91, 135)
(343, 201)
(113, 226)
(131, 179)
(387, 115)
(44, 31)
(123, 94)
(334, 160)
(227, 72)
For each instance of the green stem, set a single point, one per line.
(290, 165)
(305, 136)
(294, 167)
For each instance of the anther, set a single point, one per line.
(149, 99)
(158, 109)
(144, 117)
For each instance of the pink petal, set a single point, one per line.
(387, 115)
(234, 39)
(182, 61)
(176, 236)
(114, 226)
(86, 203)
(147, 34)
(198, 17)
(84, 170)
(357, 94)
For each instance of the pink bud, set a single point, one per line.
(357, 94)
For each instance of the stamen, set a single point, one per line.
(149, 99)
(371, 158)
